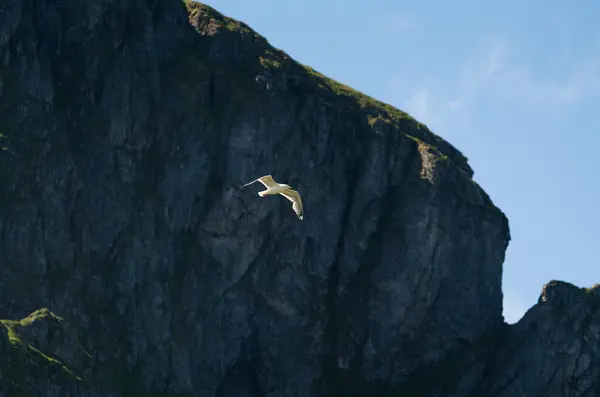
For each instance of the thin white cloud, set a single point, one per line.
(418, 104)
(455, 103)
(498, 70)
(490, 59)
(401, 23)
(514, 308)
(579, 82)
(478, 73)
(444, 104)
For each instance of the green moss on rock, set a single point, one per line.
(194, 8)
(11, 330)
(21, 337)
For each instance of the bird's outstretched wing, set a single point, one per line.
(266, 180)
(294, 197)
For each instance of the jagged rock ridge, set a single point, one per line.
(129, 127)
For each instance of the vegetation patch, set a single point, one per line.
(54, 361)
(380, 110)
(594, 289)
(269, 62)
(194, 9)
(11, 330)
(41, 314)
(3, 140)
(17, 337)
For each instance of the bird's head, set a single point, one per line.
(286, 186)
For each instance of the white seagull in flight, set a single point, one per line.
(280, 188)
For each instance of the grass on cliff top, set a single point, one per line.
(272, 58)
(593, 288)
(275, 58)
(364, 101)
(378, 111)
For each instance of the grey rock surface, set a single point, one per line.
(554, 350)
(129, 127)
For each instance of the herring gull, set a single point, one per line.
(283, 189)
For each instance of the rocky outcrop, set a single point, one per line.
(554, 350)
(41, 355)
(129, 128)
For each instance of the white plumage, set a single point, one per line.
(283, 189)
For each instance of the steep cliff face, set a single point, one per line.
(41, 355)
(129, 127)
(554, 350)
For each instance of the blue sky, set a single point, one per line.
(514, 85)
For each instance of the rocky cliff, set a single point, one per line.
(139, 267)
